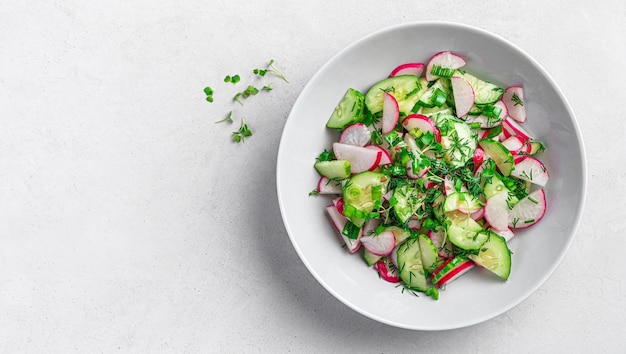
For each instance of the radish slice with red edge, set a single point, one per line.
(414, 69)
(532, 170)
(385, 158)
(507, 233)
(443, 62)
(515, 144)
(387, 271)
(497, 211)
(339, 222)
(463, 95)
(528, 211)
(456, 272)
(479, 157)
(391, 113)
(361, 159)
(355, 134)
(381, 244)
(338, 203)
(510, 127)
(513, 97)
(422, 123)
(328, 186)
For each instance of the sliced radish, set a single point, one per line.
(328, 186)
(356, 134)
(515, 144)
(510, 128)
(339, 222)
(381, 244)
(513, 97)
(422, 123)
(385, 158)
(478, 214)
(445, 60)
(415, 69)
(444, 250)
(456, 272)
(449, 187)
(479, 157)
(387, 271)
(427, 182)
(339, 204)
(391, 113)
(463, 95)
(528, 211)
(506, 233)
(532, 170)
(497, 211)
(414, 224)
(361, 159)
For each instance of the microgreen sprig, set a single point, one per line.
(270, 69)
(232, 79)
(209, 93)
(240, 135)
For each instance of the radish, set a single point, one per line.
(391, 113)
(443, 62)
(479, 157)
(449, 187)
(387, 271)
(415, 69)
(361, 159)
(385, 158)
(355, 134)
(532, 170)
(528, 211)
(478, 214)
(439, 240)
(420, 122)
(456, 272)
(328, 186)
(381, 244)
(515, 144)
(339, 222)
(339, 204)
(510, 128)
(513, 97)
(463, 95)
(414, 224)
(497, 211)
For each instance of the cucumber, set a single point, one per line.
(358, 193)
(334, 169)
(370, 258)
(406, 89)
(500, 154)
(410, 265)
(462, 201)
(459, 144)
(428, 98)
(536, 147)
(348, 111)
(407, 202)
(428, 252)
(495, 186)
(400, 233)
(494, 256)
(484, 91)
(466, 239)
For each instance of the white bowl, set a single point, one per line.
(476, 296)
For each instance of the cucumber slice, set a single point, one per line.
(357, 193)
(348, 111)
(428, 252)
(500, 154)
(466, 239)
(406, 89)
(410, 265)
(334, 169)
(462, 201)
(536, 147)
(435, 96)
(459, 144)
(495, 256)
(484, 91)
(370, 258)
(400, 233)
(407, 202)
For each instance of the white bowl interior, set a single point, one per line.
(477, 296)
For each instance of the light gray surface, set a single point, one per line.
(130, 223)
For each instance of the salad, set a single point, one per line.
(432, 174)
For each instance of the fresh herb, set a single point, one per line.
(240, 135)
(268, 87)
(229, 118)
(326, 155)
(516, 99)
(270, 69)
(232, 79)
(209, 94)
